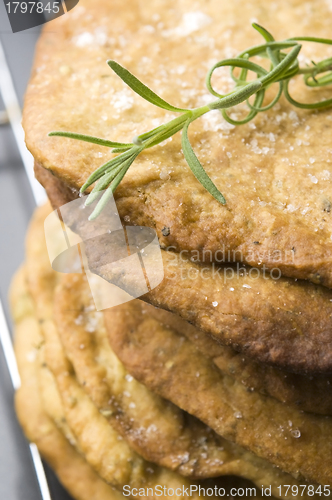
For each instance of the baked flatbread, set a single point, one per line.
(282, 322)
(274, 172)
(154, 427)
(104, 379)
(169, 364)
(217, 455)
(72, 470)
(99, 441)
(308, 393)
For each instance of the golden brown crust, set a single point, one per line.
(274, 172)
(169, 364)
(57, 191)
(108, 390)
(281, 322)
(91, 436)
(308, 393)
(103, 447)
(154, 427)
(73, 471)
(78, 411)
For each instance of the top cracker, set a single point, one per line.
(275, 171)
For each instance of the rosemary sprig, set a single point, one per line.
(283, 67)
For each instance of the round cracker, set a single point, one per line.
(168, 363)
(308, 393)
(72, 470)
(154, 427)
(103, 447)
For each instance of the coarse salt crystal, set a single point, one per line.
(164, 176)
(122, 101)
(313, 178)
(293, 116)
(191, 21)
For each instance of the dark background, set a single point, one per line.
(17, 477)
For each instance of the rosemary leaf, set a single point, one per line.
(102, 184)
(314, 39)
(276, 72)
(263, 31)
(114, 162)
(109, 192)
(196, 166)
(121, 150)
(235, 98)
(303, 105)
(268, 106)
(259, 50)
(90, 138)
(259, 98)
(234, 63)
(137, 86)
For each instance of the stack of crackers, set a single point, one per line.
(218, 381)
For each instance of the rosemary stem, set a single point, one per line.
(168, 130)
(173, 126)
(315, 70)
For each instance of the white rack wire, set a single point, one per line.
(13, 113)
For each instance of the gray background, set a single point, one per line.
(17, 476)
